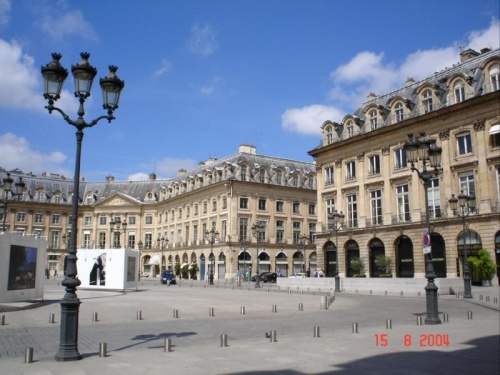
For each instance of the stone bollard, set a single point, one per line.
(275, 309)
(419, 320)
(223, 341)
(103, 349)
(242, 310)
(355, 328)
(316, 332)
(167, 345)
(388, 324)
(469, 315)
(487, 298)
(3, 320)
(211, 311)
(176, 314)
(52, 318)
(301, 307)
(139, 315)
(95, 317)
(273, 336)
(323, 305)
(446, 318)
(28, 355)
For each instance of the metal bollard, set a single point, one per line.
(388, 324)
(139, 315)
(52, 318)
(103, 349)
(211, 311)
(419, 320)
(301, 307)
(28, 355)
(316, 332)
(176, 314)
(495, 300)
(242, 310)
(487, 298)
(3, 320)
(223, 341)
(273, 336)
(457, 295)
(469, 315)
(167, 345)
(275, 309)
(446, 318)
(354, 327)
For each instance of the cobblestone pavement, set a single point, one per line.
(136, 346)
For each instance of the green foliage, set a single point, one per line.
(177, 269)
(194, 268)
(357, 266)
(483, 264)
(384, 264)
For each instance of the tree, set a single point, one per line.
(483, 265)
(358, 267)
(384, 264)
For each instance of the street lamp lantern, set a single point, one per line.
(54, 76)
(258, 230)
(336, 223)
(111, 87)
(162, 243)
(429, 153)
(10, 195)
(117, 226)
(462, 207)
(211, 237)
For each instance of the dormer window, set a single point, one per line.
(279, 177)
(329, 135)
(350, 129)
(459, 91)
(399, 112)
(427, 101)
(243, 173)
(373, 119)
(495, 77)
(262, 176)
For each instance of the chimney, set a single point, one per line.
(467, 55)
(110, 178)
(485, 50)
(152, 176)
(371, 96)
(247, 149)
(409, 81)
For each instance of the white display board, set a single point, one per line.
(107, 268)
(22, 267)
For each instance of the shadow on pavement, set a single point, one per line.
(143, 339)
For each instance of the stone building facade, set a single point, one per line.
(229, 195)
(362, 171)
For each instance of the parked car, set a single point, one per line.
(266, 277)
(167, 276)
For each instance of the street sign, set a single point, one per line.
(427, 240)
(427, 249)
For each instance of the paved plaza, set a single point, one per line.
(460, 346)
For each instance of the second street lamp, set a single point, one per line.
(335, 223)
(10, 195)
(462, 207)
(139, 246)
(258, 230)
(244, 247)
(211, 237)
(117, 227)
(162, 243)
(302, 246)
(54, 76)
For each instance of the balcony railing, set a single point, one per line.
(401, 218)
(375, 221)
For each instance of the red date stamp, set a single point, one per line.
(431, 340)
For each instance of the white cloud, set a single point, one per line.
(308, 120)
(165, 68)
(17, 153)
(61, 24)
(138, 177)
(4, 12)
(206, 90)
(489, 38)
(203, 40)
(21, 82)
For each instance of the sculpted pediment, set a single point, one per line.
(117, 200)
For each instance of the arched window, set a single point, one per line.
(399, 112)
(459, 91)
(495, 77)
(427, 101)
(329, 135)
(373, 119)
(350, 129)
(262, 175)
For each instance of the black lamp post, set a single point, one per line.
(335, 223)
(302, 246)
(429, 153)
(162, 244)
(244, 246)
(258, 230)
(54, 76)
(117, 227)
(211, 237)
(462, 207)
(140, 245)
(10, 195)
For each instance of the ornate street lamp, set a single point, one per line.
(10, 195)
(117, 227)
(54, 76)
(140, 246)
(429, 153)
(258, 230)
(162, 244)
(211, 237)
(462, 207)
(335, 223)
(244, 247)
(302, 243)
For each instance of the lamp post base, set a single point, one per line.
(467, 288)
(68, 344)
(432, 303)
(337, 283)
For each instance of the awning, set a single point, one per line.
(495, 129)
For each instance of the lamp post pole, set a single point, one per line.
(117, 226)
(211, 237)
(140, 245)
(462, 207)
(258, 230)
(162, 243)
(10, 195)
(428, 152)
(335, 223)
(302, 246)
(244, 247)
(54, 76)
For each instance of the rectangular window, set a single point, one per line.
(172, 215)
(86, 240)
(467, 185)
(296, 231)
(352, 211)
(403, 203)
(262, 235)
(57, 199)
(296, 207)
(399, 159)
(102, 220)
(434, 199)
(243, 173)
(186, 234)
(179, 235)
(188, 212)
(295, 180)
(224, 203)
(279, 177)
(464, 143)
(196, 210)
(223, 230)
(280, 231)
(179, 216)
(243, 229)
(312, 209)
(262, 176)
(280, 206)
(376, 206)
(131, 219)
(374, 165)
(102, 240)
(149, 219)
(262, 204)
(205, 207)
(312, 231)
(21, 217)
(148, 240)
(38, 218)
(244, 203)
(131, 241)
(329, 176)
(350, 130)
(54, 239)
(56, 218)
(203, 230)
(214, 205)
(87, 220)
(350, 170)
(195, 233)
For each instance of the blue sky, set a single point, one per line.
(201, 77)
